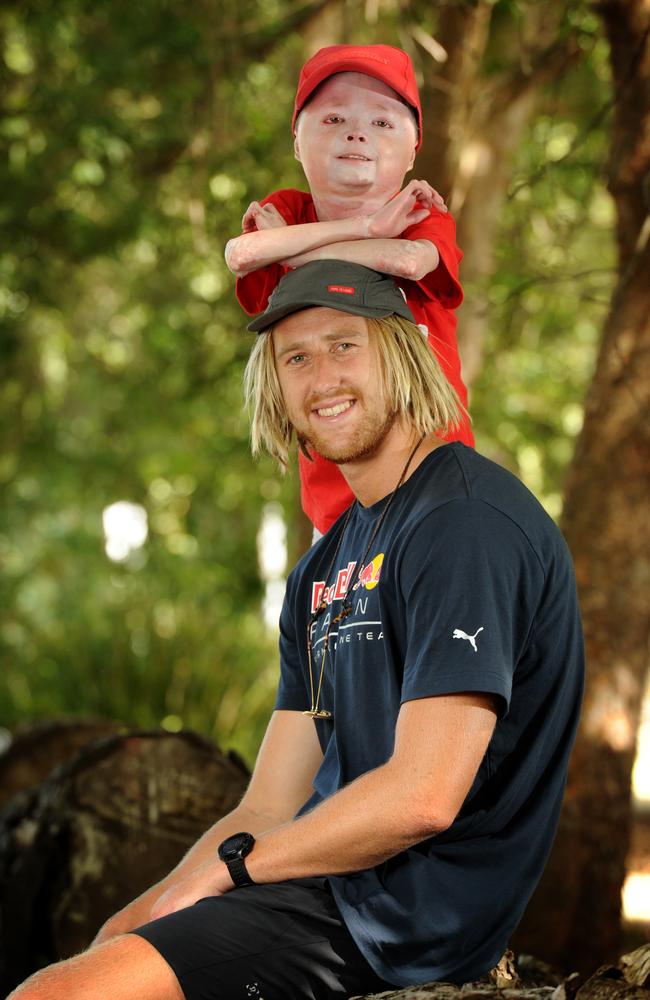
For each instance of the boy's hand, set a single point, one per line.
(400, 212)
(438, 200)
(427, 195)
(257, 217)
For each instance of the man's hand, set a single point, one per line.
(209, 879)
(258, 217)
(129, 917)
(400, 212)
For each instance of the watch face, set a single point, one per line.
(237, 846)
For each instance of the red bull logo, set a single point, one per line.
(368, 578)
(370, 573)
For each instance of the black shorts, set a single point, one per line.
(282, 941)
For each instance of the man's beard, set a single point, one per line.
(365, 443)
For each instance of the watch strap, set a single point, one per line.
(239, 872)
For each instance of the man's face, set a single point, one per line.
(355, 135)
(328, 369)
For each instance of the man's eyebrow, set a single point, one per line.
(299, 346)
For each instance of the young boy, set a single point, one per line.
(358, 125)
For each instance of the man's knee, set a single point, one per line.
(53, 982)
(124, 968)
(34, 988)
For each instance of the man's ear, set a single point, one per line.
(296, 148)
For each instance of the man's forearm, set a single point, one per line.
(240, 819)
(362, 825)
(267, 246)
(410, 259)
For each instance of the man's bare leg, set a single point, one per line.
(124, 968)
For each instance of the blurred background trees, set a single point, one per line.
(135, 136)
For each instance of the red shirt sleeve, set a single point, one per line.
(254, 289)
(442, 283)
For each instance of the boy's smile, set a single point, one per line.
(356, 138)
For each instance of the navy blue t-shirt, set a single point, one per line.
(469, 586)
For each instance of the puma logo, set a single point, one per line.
(459, 634)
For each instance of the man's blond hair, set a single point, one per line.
(412, 382)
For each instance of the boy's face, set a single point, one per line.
(355, 135)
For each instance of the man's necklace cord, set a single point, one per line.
(315, 690)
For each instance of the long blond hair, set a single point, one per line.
(411, 376)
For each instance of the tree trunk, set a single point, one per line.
(577, 909)
(473, 126)
(448, 86)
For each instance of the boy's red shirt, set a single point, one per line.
(433, 299)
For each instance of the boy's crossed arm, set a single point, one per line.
(365, 239)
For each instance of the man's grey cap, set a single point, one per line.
(336, 284)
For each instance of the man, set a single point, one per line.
(408, 787)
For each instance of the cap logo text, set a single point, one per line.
(341, 289)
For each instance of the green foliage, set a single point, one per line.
(135, 136)
(122, 353)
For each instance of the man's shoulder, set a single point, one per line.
(464, 487)
(470, 474)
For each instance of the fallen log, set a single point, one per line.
(629, 981)
(97, 832)
(37, 749)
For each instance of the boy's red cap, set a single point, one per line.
(386, 63)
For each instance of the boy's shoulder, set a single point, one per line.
(437, 222)
(295, 206)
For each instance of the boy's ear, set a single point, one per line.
(296, 149)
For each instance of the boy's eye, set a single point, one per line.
(382, 123)
(333, 119)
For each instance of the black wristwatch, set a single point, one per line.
(232, 852)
